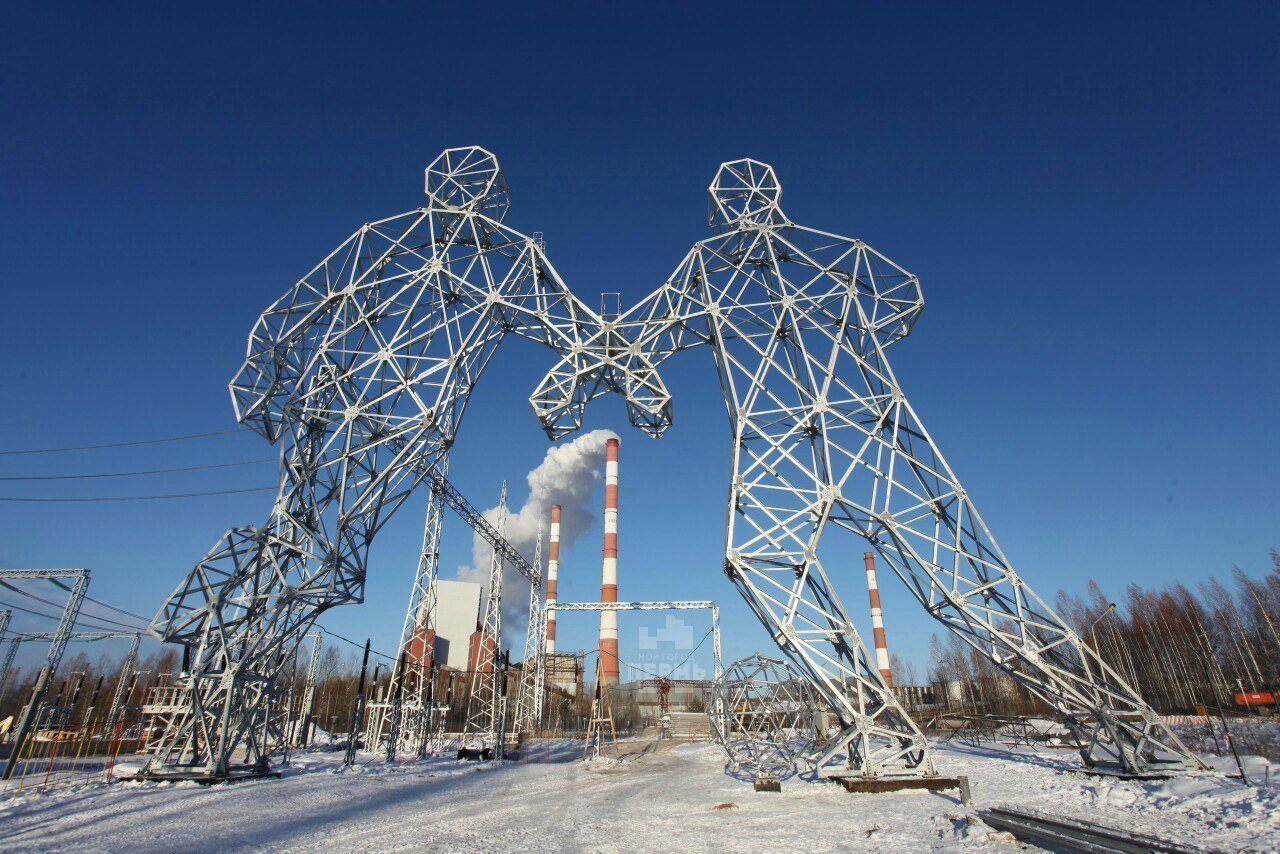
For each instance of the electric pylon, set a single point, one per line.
(485, 706)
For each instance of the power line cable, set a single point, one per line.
(79, 623)
(100, 602)
(185, 438)
(354, 643)
(139, 472)
(678, 666)
(117, 609)
(28, 611)
(29, 595)
(108, 498)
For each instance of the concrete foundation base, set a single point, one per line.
(768, 784)
(897, 784)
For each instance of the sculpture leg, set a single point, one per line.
(921, 520)
(772, 558)
(238, 615)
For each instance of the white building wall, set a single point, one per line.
(457, 612)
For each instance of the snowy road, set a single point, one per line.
(664, 800)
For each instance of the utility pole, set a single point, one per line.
(501, 663)
(393, 731)
(357, 706)
(1093, 627)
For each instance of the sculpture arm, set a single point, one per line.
(281, 346)
(623, 354)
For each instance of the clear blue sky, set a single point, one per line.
(1087, 192)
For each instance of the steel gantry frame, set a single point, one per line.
(362, 372)
(601, 717)
(689, 605)
(418, 708)
(57, 646)
(824, 438)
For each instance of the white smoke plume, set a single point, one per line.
(566, 476)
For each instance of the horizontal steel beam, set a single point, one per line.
(78, 636)
(43, 573)
(628, 606)
(464, 508)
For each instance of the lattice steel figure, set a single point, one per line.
(824, 439)
(767, 718)
(362, 371)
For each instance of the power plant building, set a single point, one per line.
(457, 610)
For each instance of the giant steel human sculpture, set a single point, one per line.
(362, 372)
(364, 369)
(824, 439)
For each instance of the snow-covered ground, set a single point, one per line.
(675, 798)
(1258, 736)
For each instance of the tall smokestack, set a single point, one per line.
(877, 620)
(553, 572)
(609, 585)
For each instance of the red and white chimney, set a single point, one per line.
(877, 620)
(608, 649)
(553, 572)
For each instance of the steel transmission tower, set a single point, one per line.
(529, 698)
(361, 372)
(825, 442)
(485, 707)
(417, 639)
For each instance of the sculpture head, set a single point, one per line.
(744, 191)
(468, 179)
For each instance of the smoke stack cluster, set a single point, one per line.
(608, 648)
(877, 620)
(553, 572)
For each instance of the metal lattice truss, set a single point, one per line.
(767, 717)
(413, 683)
(532, 673)
(825, 441)
(301, 733)
(405, 723)
(485, 706)
(57, 646)
(362, 372)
